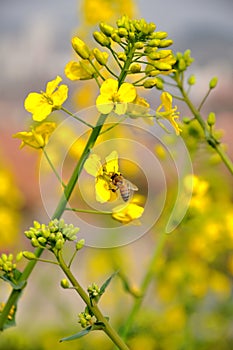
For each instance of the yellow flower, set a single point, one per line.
(127, 213)
(112, 98)
(169, 112)
(37, 137)
(79, 70)
(41, 105)
(102, 174)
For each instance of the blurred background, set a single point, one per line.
(192, 287)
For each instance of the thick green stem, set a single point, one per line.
(143, 289)
(107, 328)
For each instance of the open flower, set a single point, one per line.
(42, 104)
(38, 137)
(102, 174)
(169, 112)
(127, 213)
(112, 98)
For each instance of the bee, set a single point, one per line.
(125, 186)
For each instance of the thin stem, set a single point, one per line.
(203, 100)
(97, 71)
(46, 261)
(143, 289)
(89, 211)
(111, 72)
(53, 168)
(76, 117)
(113, 126)
(107, 328)
(115, 57)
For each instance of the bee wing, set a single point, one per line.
(131, 186)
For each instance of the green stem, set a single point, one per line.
(76, 117)
(53, 168)
(107, 328)
(89, 211)
(209, 137)
(143, 289)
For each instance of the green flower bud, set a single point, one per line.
(154, 55)
(211, 119)
(151, 27)
(150, 83)
(34, 242)
(101, 57)
(181, 64)
(159, 35)
(132, 36)
(106, 28)
(159, 84)
(186, 120)
(102, 39)
(154, 43)
(115, 37)
(139, 45)
(162, 66)
(123, 32)
(135, 68)
(59, 244)
(29, 255)
(64, 283)
(213, 82)
(80, 48)
(42, 240)
(192, 80)
(19, 256)
(80, 244)
(165, 53)
(122, 56)
(36, 224)
(165, 43)
(4, 257)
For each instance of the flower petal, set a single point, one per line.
(104, 105)
(60, 95)
(127, 92)
(111, 165)
(109, 88)
(93, 165)
(103, 193)
(52, 85)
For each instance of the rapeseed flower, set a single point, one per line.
(43, 103)
(38, 137)
(169, 111)
(113, 98)
(127, 213)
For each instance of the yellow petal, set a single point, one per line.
(60, 95)
(32, 101)
(37, 105)
(104, 105)
(111, 165)
(103, 193)
(166, 99)
(120, 108)
(52, 85)
(126, 214)
(109, 88)
(127, 93)
(93, 165)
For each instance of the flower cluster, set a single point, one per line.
(85, 318)
(52, 236)
(6, 263)
(94, 291)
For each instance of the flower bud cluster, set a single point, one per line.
(147, 43)
(6, 263)
(52, 236)
(11, 312)
(183, 60)
(94, 291)
(85, 318)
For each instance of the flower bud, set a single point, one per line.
(139, 45)
(80, 48)
(29, 255)
(132, 36)
(64, 283)
(213, 82)
(159, 84)
(115, 37)
(154, 55)
(165, 43)
(19, 256)
(151, 27)
(162, 66)
(80, 244)
(181, 64)
(123, 32)
(101, 57)
(59, 244)
(106, 28)
(159, 35)
(192, 80)
(42, 240)
(102, 39)
(135, 68)
(211, 119)
(186, 120)
(154, 43)
(122, 56)
(150, 83)
(34, 242)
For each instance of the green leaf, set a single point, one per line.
(106, 283)
(13, 281)
(78, 335)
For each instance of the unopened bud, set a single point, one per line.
(106, 29)
(80, 47)
(139, 45)
(29, 255)
(101, 57)
(165, 43)
(192, 80)
(115, 37)
(80, 244)
(154, 43)
(213, 82)
(211, 119)
(159, 35)
(123, 32)
(162, 65)
(122, 56)
(64, 283)
(135, 68)
(102, 39)
(150, 83)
